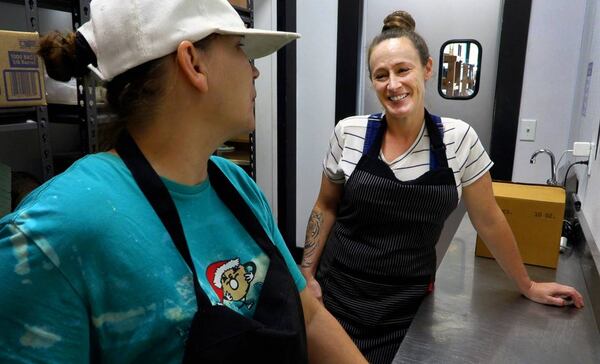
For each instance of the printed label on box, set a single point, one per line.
(22, 59)
(27, 44)
(21, 85)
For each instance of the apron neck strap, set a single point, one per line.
(230, 196)
(435, 129)
(376, 126)
(161, 201)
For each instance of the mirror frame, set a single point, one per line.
(477, 74)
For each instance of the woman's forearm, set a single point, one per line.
(320, 223)
(319, 226)
(501, 242)
(327, 342)
(491, 225)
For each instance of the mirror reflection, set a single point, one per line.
(459, 69)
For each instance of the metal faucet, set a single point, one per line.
(552, 180)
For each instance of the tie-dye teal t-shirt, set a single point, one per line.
(89, 271)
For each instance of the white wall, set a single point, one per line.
(316, 78)
(585, 127)
(563, 40)
(265, 17)
(551, 69)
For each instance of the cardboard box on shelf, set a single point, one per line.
(535, 214)
(21, 70)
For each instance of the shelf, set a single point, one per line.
(69, 114)
(63, 114)
(60, 5)
(245, 138)
(239, 157)
(17, 110)
(18, 118)
(27, 125)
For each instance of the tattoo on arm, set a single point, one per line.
(312, 238)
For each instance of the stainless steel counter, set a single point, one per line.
(476, 315)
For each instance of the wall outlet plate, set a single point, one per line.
(582, 149)
(527, 132)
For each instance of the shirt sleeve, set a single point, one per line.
(331, 163)
(42, 318)
(283, 249)
(474, 159)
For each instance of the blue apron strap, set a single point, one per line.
(437, 155)
(373, 133)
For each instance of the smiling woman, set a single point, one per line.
(390, 181)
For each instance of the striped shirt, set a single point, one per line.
(466, 155)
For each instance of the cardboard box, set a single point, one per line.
(21, 70)
(535, 214)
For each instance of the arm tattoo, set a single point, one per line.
(312, 238)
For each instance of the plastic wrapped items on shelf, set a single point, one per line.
(65, 93)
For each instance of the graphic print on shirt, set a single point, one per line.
(232, 281)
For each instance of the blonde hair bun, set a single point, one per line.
(400, 20)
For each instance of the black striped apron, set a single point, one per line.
(380, 260)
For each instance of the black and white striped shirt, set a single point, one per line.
(466, 155)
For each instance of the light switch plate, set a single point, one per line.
(527, 132)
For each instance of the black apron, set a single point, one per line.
(276, 333)
(379, 261)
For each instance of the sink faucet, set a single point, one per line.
(552, 180)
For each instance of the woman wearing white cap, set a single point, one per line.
(155, 251)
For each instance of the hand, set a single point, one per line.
(554, 294)
(314, 288)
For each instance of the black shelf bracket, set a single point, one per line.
(86, 90)
(32, 20)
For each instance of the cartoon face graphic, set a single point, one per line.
(236, 281)
(232, 281)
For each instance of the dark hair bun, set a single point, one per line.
(59, 55)
(400, 20)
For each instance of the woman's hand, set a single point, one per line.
(554, 294)
(314, 288)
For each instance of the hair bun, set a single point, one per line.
(400, 20)
(60, 56)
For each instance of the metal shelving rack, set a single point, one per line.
(21, 117)
(85, 113)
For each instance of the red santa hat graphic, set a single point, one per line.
(215, 271)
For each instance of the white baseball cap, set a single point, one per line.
(126, 33)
